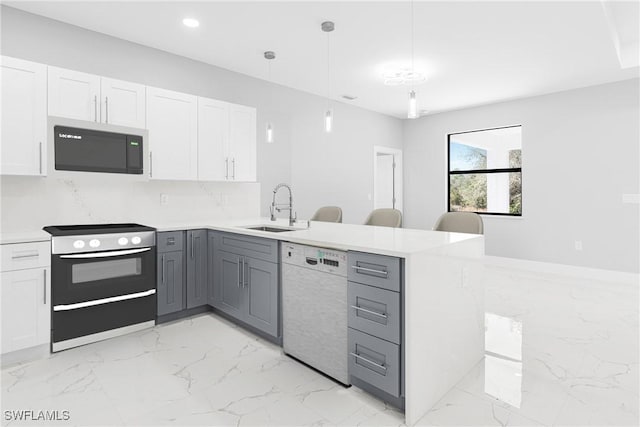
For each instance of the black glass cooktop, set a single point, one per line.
(84, 229)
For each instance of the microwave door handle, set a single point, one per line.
(105, 254)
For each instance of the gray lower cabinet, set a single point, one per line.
(196, 268)
(182, 272)
(170, 276)
(261, 284)
(376, 325)
(246, 280)
(228, 291)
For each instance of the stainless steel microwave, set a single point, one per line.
(91, 150)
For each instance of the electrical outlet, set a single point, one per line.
(578, 245)
(164, 199)
(464, 277)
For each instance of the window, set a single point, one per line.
(485, 171)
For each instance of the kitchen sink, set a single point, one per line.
(269, 229)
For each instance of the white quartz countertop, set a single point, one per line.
(399, 242)
(24, 236)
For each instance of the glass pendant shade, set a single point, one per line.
(328, 121)
(413, 106)
(269, 133)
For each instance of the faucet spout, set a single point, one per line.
(275, 207)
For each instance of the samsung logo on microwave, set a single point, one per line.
(69, 136)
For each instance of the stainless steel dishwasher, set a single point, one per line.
(314, 307)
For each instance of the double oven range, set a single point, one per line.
(103, 282)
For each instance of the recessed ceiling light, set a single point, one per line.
(191, 23)
(349, 97)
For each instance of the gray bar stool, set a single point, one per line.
(385, 217)
(460, 222)
(328, 214)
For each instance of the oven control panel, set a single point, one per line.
(102, 242)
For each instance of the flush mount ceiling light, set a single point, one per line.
(269, 56)
(191, 22)
(403, 76)
(328, 27)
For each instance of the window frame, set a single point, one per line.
(482, 171)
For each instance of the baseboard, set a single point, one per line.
(182, 314)
(25, 355)
(620, 277)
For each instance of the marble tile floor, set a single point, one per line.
(559, 351)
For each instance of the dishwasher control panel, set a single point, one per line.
(320, 259)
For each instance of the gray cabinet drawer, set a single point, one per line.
(254, 247)
(169, 241)
(375, 270)
(374, 311)
(374, 361)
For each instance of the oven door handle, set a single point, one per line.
(66, 307)
(106, 254)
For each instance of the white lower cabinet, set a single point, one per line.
(24, 117)
(172, 120)
(25, 296)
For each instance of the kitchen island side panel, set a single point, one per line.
(444, 322)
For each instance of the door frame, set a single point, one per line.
(398, 173)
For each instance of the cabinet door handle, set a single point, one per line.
(245, 272)
(233, 170)
(150, 164)
(32, 254)
(40, 158)
(44, 285)
(95, 108)
(370, 270)
(239, 273)
(357, 356)
(226, 168)
(106, 108)
(192, 246)
(162, 269)
(375, 313)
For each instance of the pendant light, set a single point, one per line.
(269, 56)
(413, 101)
(328, 27)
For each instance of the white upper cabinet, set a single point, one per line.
(213, 140)
(74, 95)
(172, 120)
(24, 117)
(242, 142)
(83, 96)
(123, 103)
(226, 141)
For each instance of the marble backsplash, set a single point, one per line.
(29, 203)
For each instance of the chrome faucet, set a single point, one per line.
(278, 207)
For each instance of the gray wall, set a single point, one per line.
(580, 153)
(297, 116)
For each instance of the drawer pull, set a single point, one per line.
(357, 356)
(29, 255)
(375, 313)
(370, 270)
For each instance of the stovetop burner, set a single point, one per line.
(84, 229)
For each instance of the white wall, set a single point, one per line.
(318, 178)
(580, 152)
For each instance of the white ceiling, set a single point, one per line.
(472, 52)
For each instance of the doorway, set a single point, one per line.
(387, 178)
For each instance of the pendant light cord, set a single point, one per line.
(412, 51)
(328, 68)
